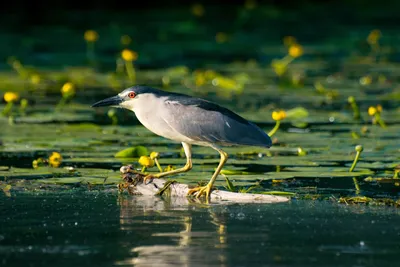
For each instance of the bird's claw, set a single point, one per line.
(148, 179)
(199, 191)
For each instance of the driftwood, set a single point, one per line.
(135, 184)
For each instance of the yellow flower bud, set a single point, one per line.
(35, 79)
(379, 108)
(372, 111)
(373, 37)
(351, 99)
(169, 168)
(278, 115)
(68, 89)
(279, 66)
(250, 4)
(359, 148)
(154, 155)
(210, 74)
(295, 50)
(282, 114)
(200, 80)
(301, 151)
(221, 37)
(129, 55)
(11, 97)
(198, 10)
(289, 41)
(91, 36)
(366, 80)
(126, 39)
(146, 161)
(55, 159)
(111, 112)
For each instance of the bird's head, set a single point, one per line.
(129, 98)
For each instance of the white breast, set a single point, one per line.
(151, 117)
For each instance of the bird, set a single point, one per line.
(190, 121)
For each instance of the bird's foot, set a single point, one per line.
(199, 191)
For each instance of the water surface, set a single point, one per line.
(103, 229)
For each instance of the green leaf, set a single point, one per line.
(229, 184)
(141, 151)
(247, 190)
(296, 113)
(132, 152)
(234, 172)
(126, 153)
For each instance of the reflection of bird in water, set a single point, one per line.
(182, 247)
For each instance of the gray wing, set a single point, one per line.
(202, 120)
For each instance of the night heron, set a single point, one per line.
(191, 121)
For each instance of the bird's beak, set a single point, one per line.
(111, 101)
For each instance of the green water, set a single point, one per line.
(81, 228)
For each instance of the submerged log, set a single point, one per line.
(135, 184)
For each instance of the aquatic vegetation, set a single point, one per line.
(354, 106)
(169, 168)
(91, 38)
(221, 37)
(112, 114)
(6, 189)
(316, 109)
(330, 94)
(198, 10)
(227, 86)
(232, 188)
(23, 104)
(126, 40)
(68, 91)
(154, 156)
(373, 40)
(301, 152)
(295, 50)
(375, 113)
(277, 116)
(132, 152)
(369, 201)
(146, 162)
(10, 98)
(129, 57)
(54, 160)
(359, 149)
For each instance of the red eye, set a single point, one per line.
(131, 95)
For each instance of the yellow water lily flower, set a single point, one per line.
(372, 111)
(11, 97)
(129, 55)
(154, 155)
(198, 10)
(68, 89)
(91, 36)
(278, 115)
(55, 159)
(295, 50)
(146, 161)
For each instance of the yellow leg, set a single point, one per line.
(188, 166)
(201, 190)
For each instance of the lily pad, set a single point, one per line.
(132, 152)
